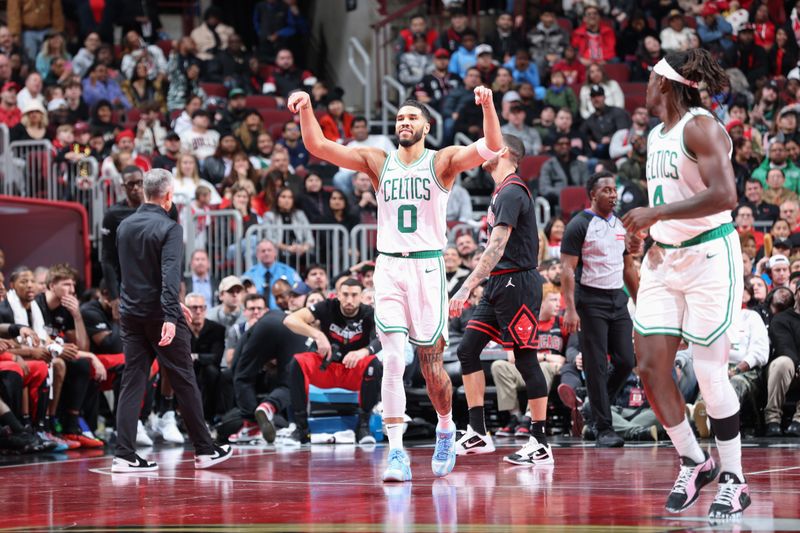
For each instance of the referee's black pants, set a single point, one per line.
(606, 330)
(140, 337)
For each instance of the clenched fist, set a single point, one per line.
(297, 101)
(483, 96)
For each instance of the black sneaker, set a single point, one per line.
(509, 429)
(22, 442)
(793, 430)
(608, 438)
(691, 478)
(733, 497)
(363, 434)
(132, 464)
(533, 453)
(297, 437)
(220, 455)
(773, 430)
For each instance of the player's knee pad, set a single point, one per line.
(393, 394)
(374, 369)
(527, 363)
(711, 368)
(469, 350)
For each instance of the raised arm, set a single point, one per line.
(453, 160)
(361, 159)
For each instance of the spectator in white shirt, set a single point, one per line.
(676, 37)
(200, 141)
(184, 120)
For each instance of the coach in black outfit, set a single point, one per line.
(152, 322)
(595, 267)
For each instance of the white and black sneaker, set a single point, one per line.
(132, 464)
(533, 453)
(473, 442)
(220, 455)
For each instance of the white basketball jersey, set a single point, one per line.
(672, 176)
(412, 206)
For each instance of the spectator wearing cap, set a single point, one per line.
(547, 41)
(413, 65)
(596, 76)
(212, 35)
(286, 77)
(77, 108)
(488, 68)
(451, 39)
(676, 36)
(199, 140)
(123, 154)
(777, 158)
(10, 114)
(504, 39)
(782, 371)
(787, 124)
(467, 54)
(594, 39)
(31, 91)
(417, 25)
(527, 134)
(778, 271)
(767, 106)
(602, 124)
(336, 122)
(31, 21)
(32, 125)
(562, 170)
(57, 113)
(167, 158)
(229, 310)
(747, 56)
(99, 86)
(227, 119)
(268, 269)
(714, 31)
(437, 84)
(525, 71)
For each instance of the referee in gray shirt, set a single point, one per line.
(152, 324)
(595, 268)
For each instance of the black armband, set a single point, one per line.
(13, 330)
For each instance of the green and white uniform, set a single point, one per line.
(410, 286)
(692, 279)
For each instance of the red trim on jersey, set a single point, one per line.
(496, 338)
(508, 271)
(513, 178)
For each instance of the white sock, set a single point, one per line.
(445, 421)
(395, 434)
(730, 456)
(685, 442)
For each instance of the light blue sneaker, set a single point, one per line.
(444, 455)
(398, 466)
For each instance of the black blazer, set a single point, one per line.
(150, 246)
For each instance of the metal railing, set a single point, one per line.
(363, 75)
(220, 234)
(542, 207)
(363, 242)
(29, 170)
(328, 245)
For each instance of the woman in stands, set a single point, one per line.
(291, 243)
(503, 82)
(595, 75)
(218, 166)
(242, 173)
(340, 210)
(315, 200)
(139, 88)
(187, 178)
(249, 131)
(550, 240)
(32, 125)
(782, 57)
(336, 122)
(102, 121)
(54, 46)
(241, 201)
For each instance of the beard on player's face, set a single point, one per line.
(405, 142)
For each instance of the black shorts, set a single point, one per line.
(509, 309)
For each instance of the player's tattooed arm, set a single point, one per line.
(491, 256)
(440, 388)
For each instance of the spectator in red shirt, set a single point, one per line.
(286, 77)
(595, 41)
(573, 69)
(405, 40)
(744, 219)
(10, 114)
(336, 122)
(763, 28)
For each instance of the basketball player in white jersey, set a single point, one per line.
(412, 185)
(691, 279)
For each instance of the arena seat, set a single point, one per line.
(530, 166)
(215, 89)
(618, 71)
(260, 101)
(572, 199)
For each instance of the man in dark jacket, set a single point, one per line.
(784, 336)
(208, 345)
(603, 123)
(561, 171)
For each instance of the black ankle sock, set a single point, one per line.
(26, 420)
(71, 425)
(476, 420)
(167, 404)
(11, 421)
(537, 431)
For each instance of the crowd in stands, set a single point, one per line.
(569, 80)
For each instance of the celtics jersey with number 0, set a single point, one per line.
(673, 175)
(412, 206)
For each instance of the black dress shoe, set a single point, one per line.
(609, 439)
(773, 430)
(793, 430)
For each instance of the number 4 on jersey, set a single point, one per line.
(658, 196)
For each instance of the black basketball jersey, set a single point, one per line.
(512, 205)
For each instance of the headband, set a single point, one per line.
(663, 68)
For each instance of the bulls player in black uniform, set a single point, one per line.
(508, 311)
